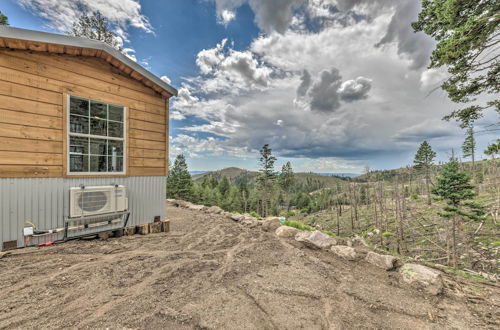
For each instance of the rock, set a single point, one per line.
(315, 239)
(422, 277)
(3, 254)
(142, 229)
(129, 231)
(286, 231)
(346, 252)
(105, 235)
(118, 232)
(237, 217)
(250, 222)
(197, 207)
(155, 228)
(383, 261)
(214, 210)
(270, 224)
(165, 226)
(357, 241)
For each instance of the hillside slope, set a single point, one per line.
(212, 273)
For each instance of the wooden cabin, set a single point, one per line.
(83, 138)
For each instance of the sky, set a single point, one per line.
(331, 85)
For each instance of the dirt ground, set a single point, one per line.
(212, 273)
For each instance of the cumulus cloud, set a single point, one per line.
(130, 53)
(305, 83)
(356, 89)
(270, 15)
(60, 15)
(427, 130)
(229, 66)
(324, 93)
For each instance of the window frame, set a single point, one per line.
(69, 134)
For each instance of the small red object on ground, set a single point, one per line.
(46, 244)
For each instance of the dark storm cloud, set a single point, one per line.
(417, 46)
(324, 93)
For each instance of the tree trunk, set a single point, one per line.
(427, 180)
(454, 241)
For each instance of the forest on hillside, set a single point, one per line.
(446, 214)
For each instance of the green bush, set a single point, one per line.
(301, 226)
(255, 214)
(414, 196)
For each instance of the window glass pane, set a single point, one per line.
(115, 129)
(115, 164)
(98, 147)
(98, 110)
(79, 163)
(115, 148)
(115, 113)
(78, 145)
(79, 106)
(79, 124)
(98, 127)
(98, 164)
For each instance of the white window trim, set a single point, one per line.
(68, 134)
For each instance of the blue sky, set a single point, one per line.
(331, 85)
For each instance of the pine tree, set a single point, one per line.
(454, 187)
(179, 182)
(286, 181)
(4, 20)
(469, 145)
(96, 27)
(223, 187)
(493, 149)
(423, 162)
(266, 178)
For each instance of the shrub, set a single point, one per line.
(255, 214)
(414, 196)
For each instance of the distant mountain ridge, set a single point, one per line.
(235, 174)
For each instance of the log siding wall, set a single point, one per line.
(33, 88)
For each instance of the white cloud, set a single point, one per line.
(60, 15)
(226, 16)
(166, 79)
(288, 90)
(130, 53)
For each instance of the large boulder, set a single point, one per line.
(214, 209)
(286, 231)
(383, 261)
(270, 224)
(422, 277)
(237, 217)
(345, 252)
(315, 239)
(250, 222)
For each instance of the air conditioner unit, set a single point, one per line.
(97, 200)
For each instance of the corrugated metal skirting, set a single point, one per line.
(45, 202)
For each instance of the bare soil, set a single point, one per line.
(212, 273)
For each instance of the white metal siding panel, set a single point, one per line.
(45, 202)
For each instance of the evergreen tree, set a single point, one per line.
(423, 161)
(469, 145)
(493, 149)
(286, 181)
(179, 182)
(223, 187)
(96, 27)
(454, 187)
(266, 178)
(4, 20)
(466, 32)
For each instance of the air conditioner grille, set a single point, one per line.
(92, 201)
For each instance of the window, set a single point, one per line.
(96, 136)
